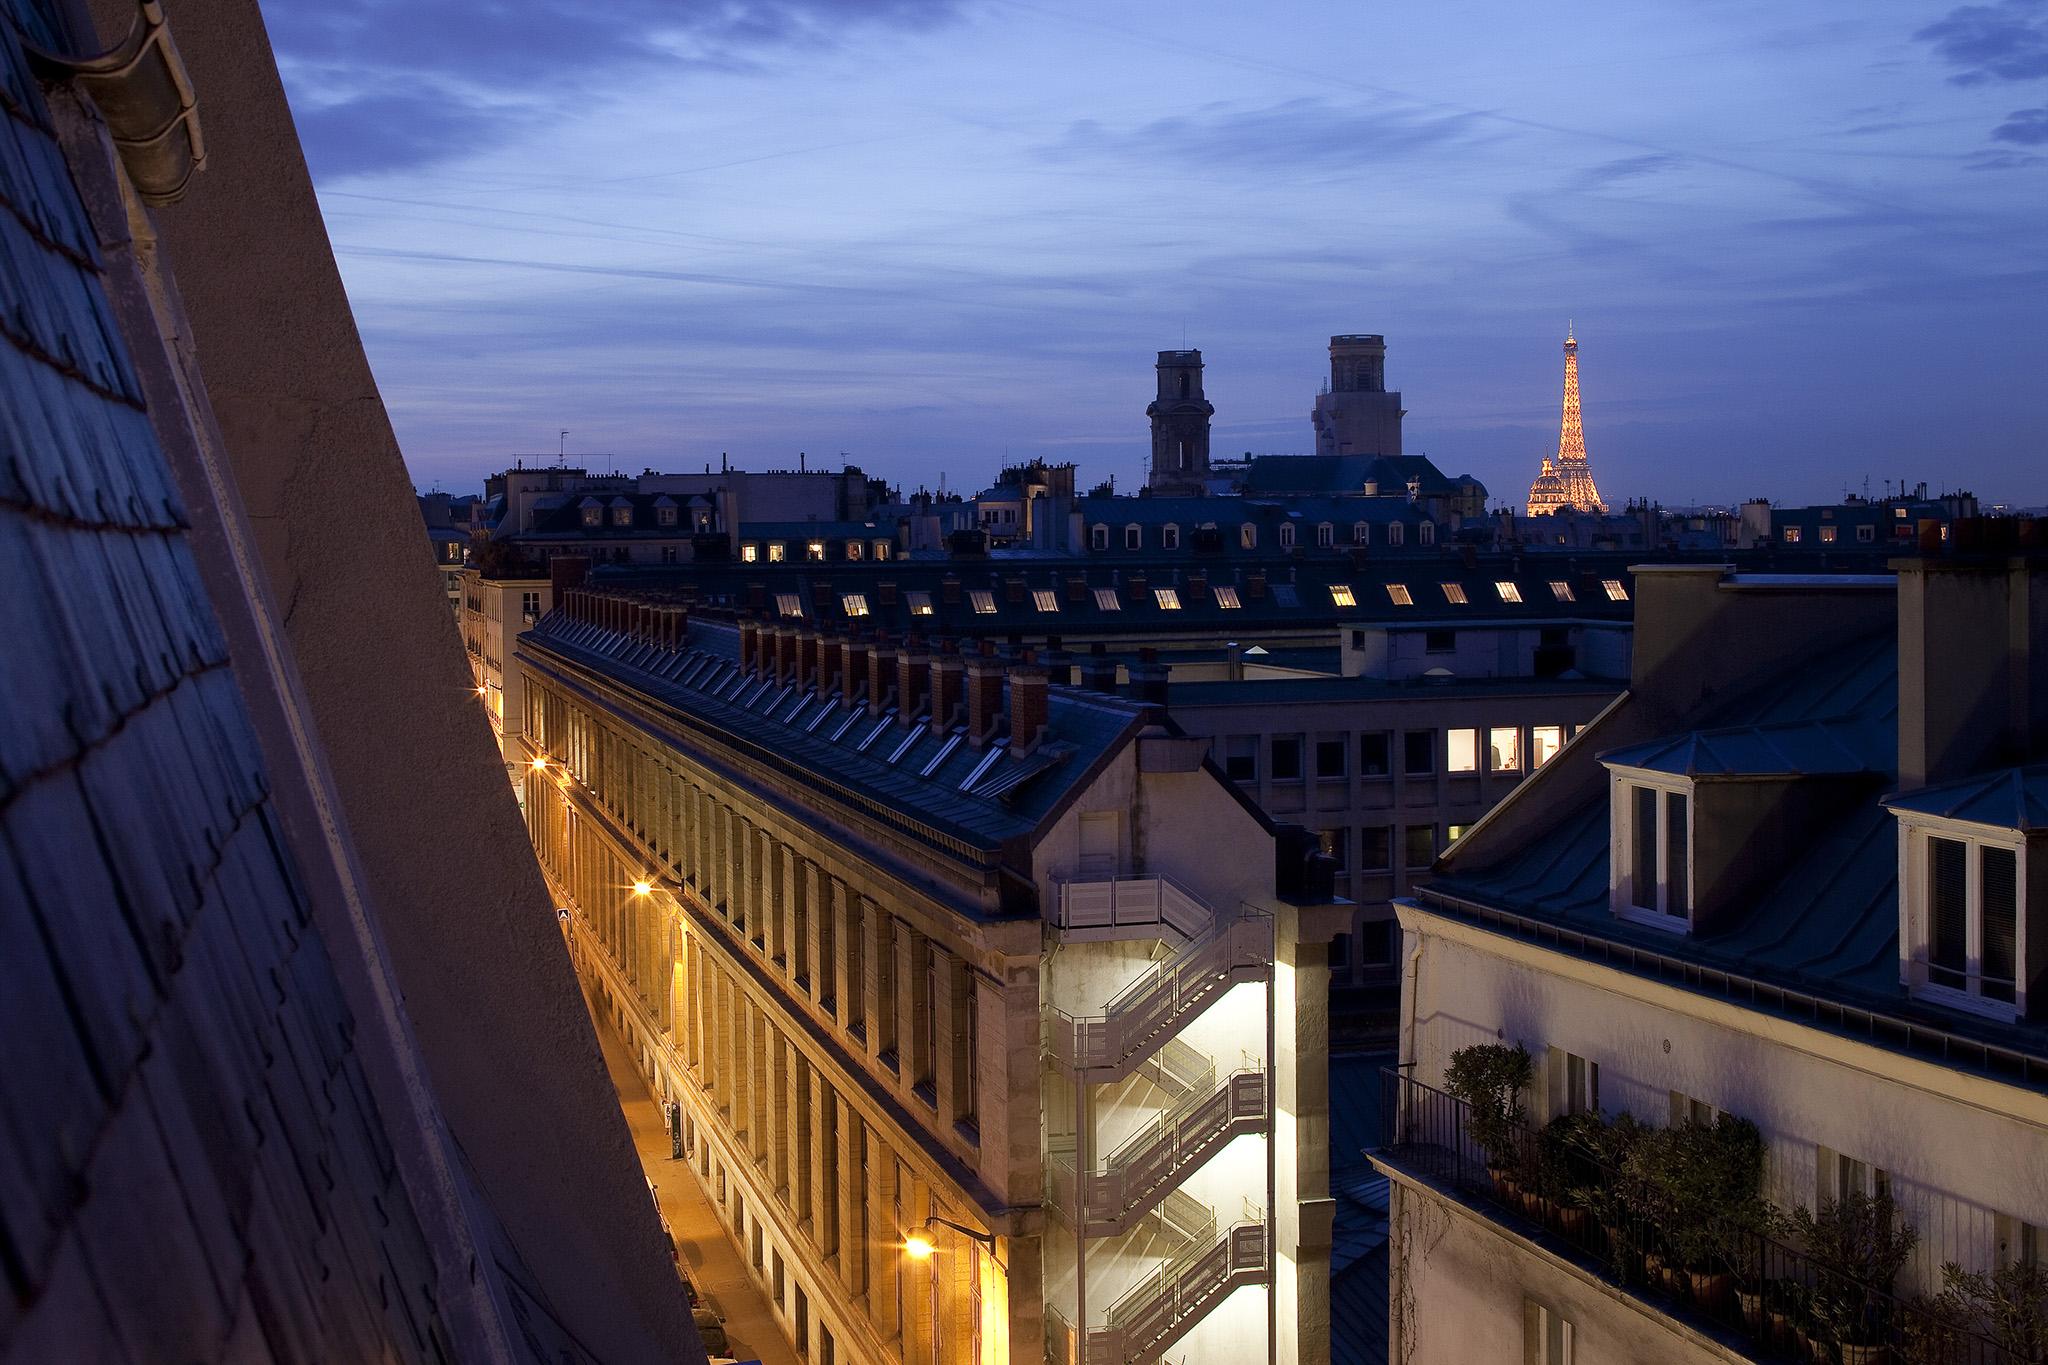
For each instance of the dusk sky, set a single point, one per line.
(1803, 244)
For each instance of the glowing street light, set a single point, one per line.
(919, 1247)
(642, 888)
(540, 764)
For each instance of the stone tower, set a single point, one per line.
(1569, 482)
(1180, 425)
(1357, 416)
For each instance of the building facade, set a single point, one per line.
(1786, 893)
(1356, 415)
(980, 1047)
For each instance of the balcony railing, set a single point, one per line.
(1164, 997)
(1161, 1308)
(1775, 1300)
(1111, 904)
(1152, 1161)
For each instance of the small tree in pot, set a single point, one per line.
(1697, 1176)
(1490, 1079)
(2009, 1305)
(1858, 1244)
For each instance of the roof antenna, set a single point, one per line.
(562, 447)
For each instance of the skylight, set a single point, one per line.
(1045, 599)
(789, 604)
(1398, 594)
(1169, 600)
(984, 601)
(1562, 590)
(1341, 594)
(1285, 596)
(1107, 600)
(1615, 591)
(1454, 593)
(855, 603)
(920, 603)
(1226, 598)
(1508, 591)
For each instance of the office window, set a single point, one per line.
(1418, 752)
(1336, 845)
(1375, 753)
(1098, 537)
(1562, 590)
(1045, 599)
(1398, 594)
(1287, 760)
(1168, 599)
(983, 601)
(1504, 749)
(1107, 600)
(1241, 758)
(920, 603)
(1544, 742)
(1226, 598)
(1963, 916)
(1418, 847)
(1454, 593)
(1376, 848)
(1546, 1335)
(1169, 537)
(1461, 751)
(1655, 868)
(1439, 642)
(1330, 755)
(1615, 591)
(855, 603)
(1134, 538)
(789, 604)
(1508, 591)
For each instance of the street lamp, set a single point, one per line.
(642, 888)
(540, 764)
(919, 1246)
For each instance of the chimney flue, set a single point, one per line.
(948, 678)
(1030, 706)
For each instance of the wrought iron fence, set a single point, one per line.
(1777, 1301)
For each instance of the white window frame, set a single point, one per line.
(1396, 533)
(1169, 537)
(1247, 536)
(664, 516)
(1098, 537)
(1541, 736)
(1622, 897)
(1425, 534)
(1546, 1335)
(1468, 761)
(1508, 760)
(1134, 537)
(1326, 535)
(1286, 535)
(1915, 917)
(1361, 533)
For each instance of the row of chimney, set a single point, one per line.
(913, 676)
(658, 623)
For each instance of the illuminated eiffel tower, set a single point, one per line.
(1568, 482)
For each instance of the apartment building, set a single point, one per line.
(988, 1012)
(496, 604)
(1790, 879)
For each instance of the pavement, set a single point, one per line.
(712, 1259)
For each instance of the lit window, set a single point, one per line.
(593, 516)
(853, 549)
(1562, 590)
(1453, 833)
(1504, 749)
(1341, 594)
(1045, 599)
(789, 604)
(1398, 594)
(920, 603)
(1544, 742)
(1098, 537)
(855, 603)
(1827, 535)
(883, 549)
(777, 552)
(1134, 538)
(1963, 917)
(1169, 537)
(815, 550)
(1107, 600)
(1508, 591)
(1226, 598)
(622, 516)
(1899, 512)
(983, 600)
(1462, 748)
(1454, 593)
(1248, 537)
(1169, 600)
(1792, 535)
(749, 552)
(1652, 879)
(1361, 533)
(1615, 591)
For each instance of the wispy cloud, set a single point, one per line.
(2002, 42)
(1295, 133)
(2028, 127)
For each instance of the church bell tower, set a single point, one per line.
(1180, 425)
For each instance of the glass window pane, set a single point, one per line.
(1375, 757)
(1998, 885)
(1376, 848)
(1544, 742)
(1948, 933)
(1504, 749)
(1643, 842)
(1677, 830)
(1463, 750)
(1418, 751)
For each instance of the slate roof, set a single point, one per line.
(1799, 748)
(981, 796)
(1265, 474)
(1359, 1258)
(2011, 798)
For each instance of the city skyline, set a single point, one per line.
(1798, 256)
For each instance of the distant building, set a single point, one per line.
(447, 522)
(1890, 524)
(1787, 879)
(1180, 425)
(1567, 483)
(1356, 415)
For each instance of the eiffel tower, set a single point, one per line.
(1568, 482)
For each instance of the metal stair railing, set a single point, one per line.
(1161, 1308)
(1146, 1012)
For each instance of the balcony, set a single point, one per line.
(1146, 1166)
(1768, 1299)
(1129, 907)
(1161, 1000)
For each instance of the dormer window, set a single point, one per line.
(1361, 533)
(1286, 535)
(622, 516)
(1098, 537)
(1134, 537)
(1326, 535)
(593, 515)
(1169, 537)
(854, 549)
(1395, 532)
(1426, 533)
(1650, 877)
(664, 516)
(1961, 931)
(1248, 537)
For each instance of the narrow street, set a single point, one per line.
(713, 1262)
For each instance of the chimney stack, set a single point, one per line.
(1098, 671)
(750, 646)
(913, 676)
(853, 665)
(881, 673)
(1148, 678)
(566, 572)
(948, 675)
(1030, 706)
(984, 694)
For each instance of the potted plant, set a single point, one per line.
(1746, 1233)
(1490, 1079)
(1565, 1157)
(1696, 1178)
(1604, 1192)
(1858, 1244)
(2009, 1305)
